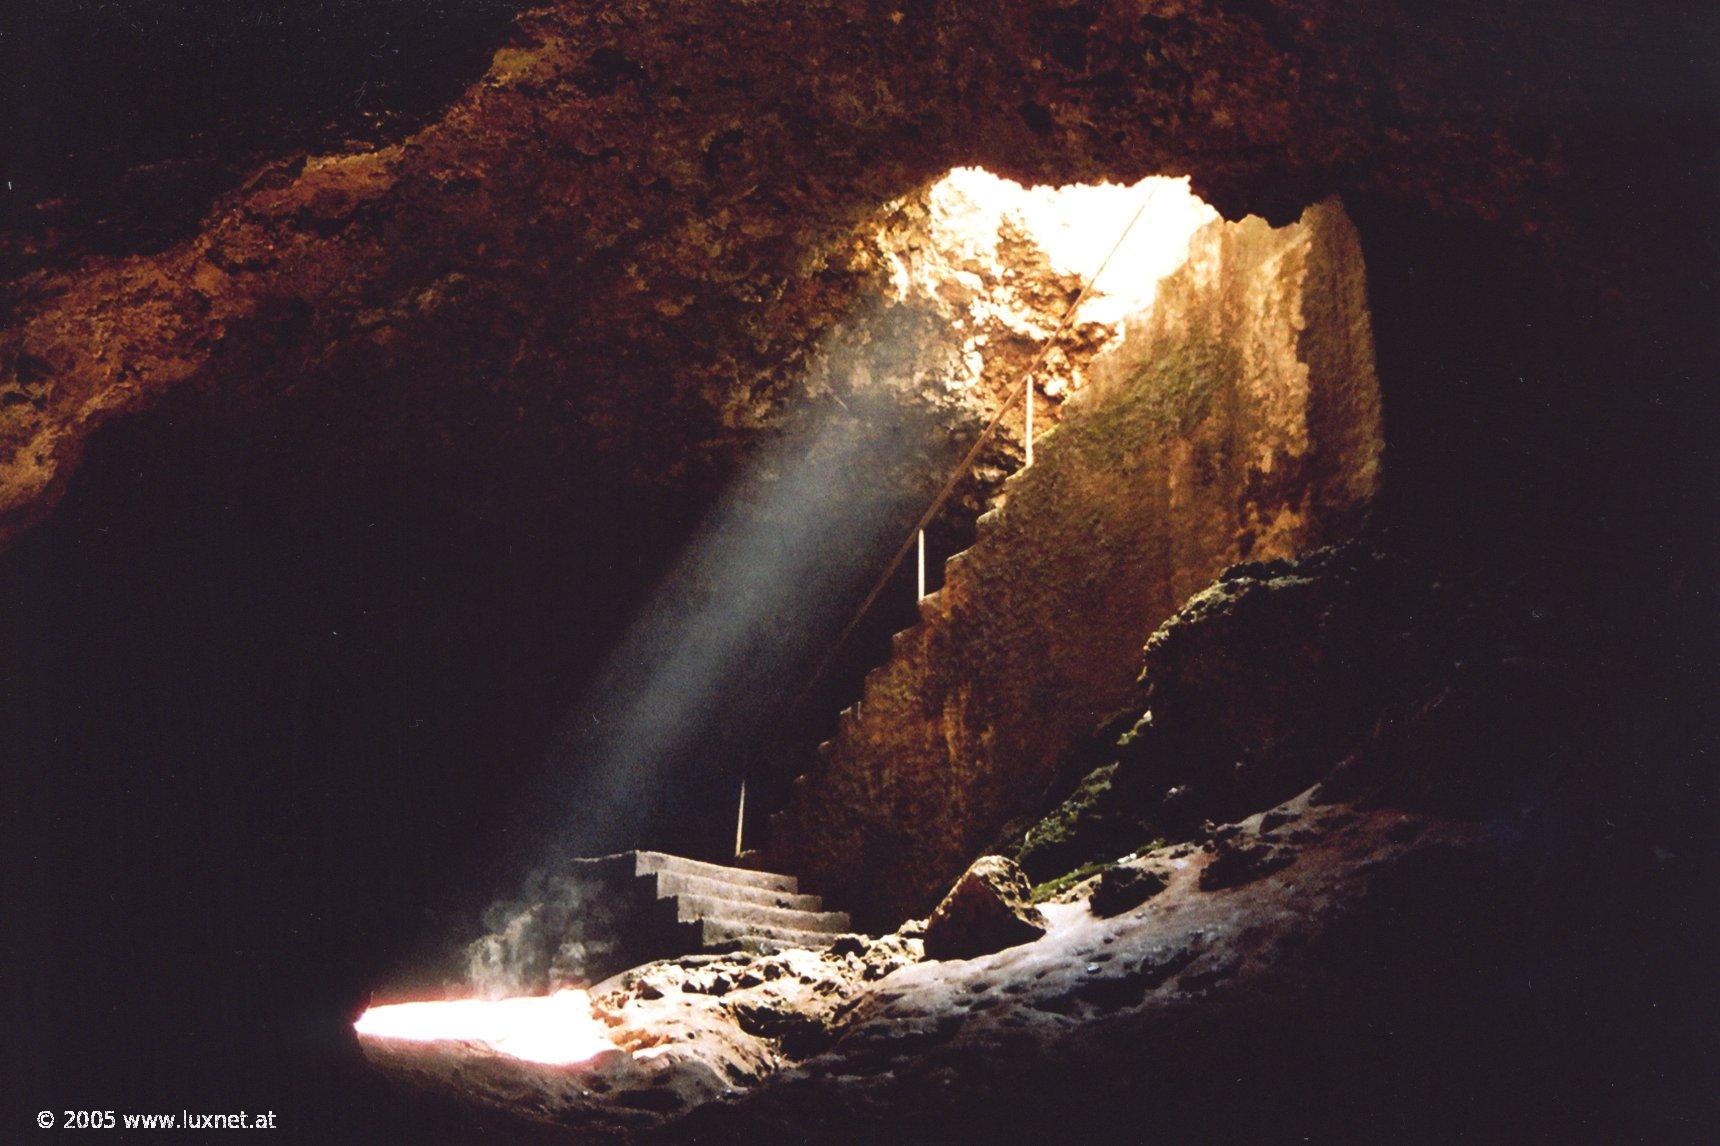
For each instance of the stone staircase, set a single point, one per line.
(712, 908)
(622, 911)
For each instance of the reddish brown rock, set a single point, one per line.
(990, 908)
(605, 198)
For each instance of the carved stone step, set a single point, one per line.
(725, 933)
(648, 862)
(670, 883)
(754, 915)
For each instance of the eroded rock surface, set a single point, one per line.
(603, 212)
(869, 1041)
(1123, 886)
(989, 908)
(688, 1031)
(1250, 692)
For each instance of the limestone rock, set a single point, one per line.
(1252, 691)
(1239, 863)
(1122, 887)
(989, 908)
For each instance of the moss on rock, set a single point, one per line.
(1080, 829)
(1052, 888)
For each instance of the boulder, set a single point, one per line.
(1123, 887)
(989, 908)
(1238, 862)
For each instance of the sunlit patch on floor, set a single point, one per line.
(557, 1029)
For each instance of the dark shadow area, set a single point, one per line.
(287, 695)
(268, 716)
(122, 120)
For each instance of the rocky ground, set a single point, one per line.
(876, 1037)
(1413, 910)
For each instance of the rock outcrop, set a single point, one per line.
(1251, 691)
(687, 1032)
(989, 908)
(603, 223)
(1202, 438)
(1124, 886)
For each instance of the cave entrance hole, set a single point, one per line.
(1003, 249)
(1034, 284)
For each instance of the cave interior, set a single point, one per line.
(441, 441)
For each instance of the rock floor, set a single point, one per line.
(1273, 914)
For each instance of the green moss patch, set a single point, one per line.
(1062, 839)
(1062, 883)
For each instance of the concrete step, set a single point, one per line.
(647, 862)
(722, 933)
(695, 907)
(668, 883)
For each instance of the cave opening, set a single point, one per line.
(973, 276)
(981, 287)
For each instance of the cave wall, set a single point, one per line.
(1238, 418)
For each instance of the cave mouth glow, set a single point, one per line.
(557, 1029)
(1076, 225)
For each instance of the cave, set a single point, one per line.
(436, 449)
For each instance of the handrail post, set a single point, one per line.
(741, 819)
(1027, 433)
(920, 592)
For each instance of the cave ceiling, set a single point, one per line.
(613, 246)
